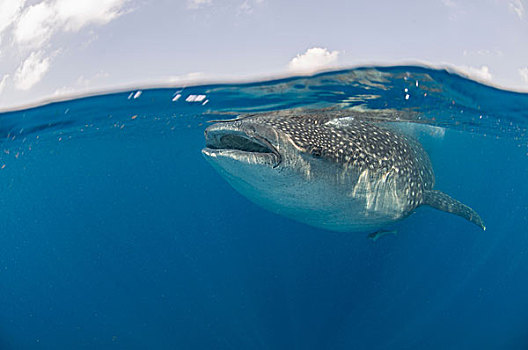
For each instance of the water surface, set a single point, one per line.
(116, 233)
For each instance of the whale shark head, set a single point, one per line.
(257, 159)
(244, 143)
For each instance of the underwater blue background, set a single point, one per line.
(116, 233)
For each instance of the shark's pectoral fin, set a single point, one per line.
(441, 201)
(374, 236)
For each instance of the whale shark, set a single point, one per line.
(340, 172)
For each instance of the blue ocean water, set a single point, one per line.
(116, 233)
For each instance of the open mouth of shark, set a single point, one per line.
(241, 146)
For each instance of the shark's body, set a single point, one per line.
(341, 174)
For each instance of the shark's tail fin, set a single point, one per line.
(441, 201)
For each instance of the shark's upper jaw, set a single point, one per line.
(234, 143)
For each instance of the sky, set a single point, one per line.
(50, 49)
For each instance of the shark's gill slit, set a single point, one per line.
(272, 149)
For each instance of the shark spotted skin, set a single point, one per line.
(341, 173)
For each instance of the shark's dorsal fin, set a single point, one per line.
(441, 201)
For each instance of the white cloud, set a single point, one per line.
(3, 82)
(455, 10)
(35, 25)
(248, 7)
(186, 78)
(39, 22)
(449, 3)
(82, 85)
(482, 73)
(74, 15)
(313, 59)
(9, 12)
(524, 74)
(86, 82)
(517, 7)
(196, 4)
(483, 52)
(245, 8)
(64, 91)
(31, 70)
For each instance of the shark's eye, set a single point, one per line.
(317, 152)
